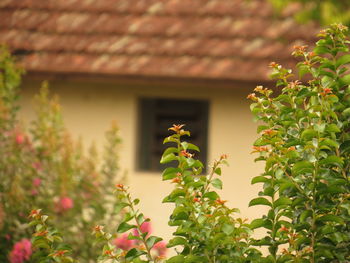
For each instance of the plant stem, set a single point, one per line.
(144, 241)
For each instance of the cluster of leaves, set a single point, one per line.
(44, 167)
(305, 143)
(325, 11)
(47, 242)
(206, 228)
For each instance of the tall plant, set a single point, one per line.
(44, 167)
(207, 230)
(305, 144)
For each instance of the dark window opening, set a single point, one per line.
(157, 115)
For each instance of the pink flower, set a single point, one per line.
(65, 203)
(145, 228)
(20, 138)
(36, 182)
(123, 242)
(161, 248)
(21, 251)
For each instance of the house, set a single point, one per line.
(151, 63)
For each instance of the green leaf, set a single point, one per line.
(345, 147)
(217, 183)
(326, 81)
(269, 191)
(302, 167)
(201, 219)
(319, 50)
(343, 60)
(195, 259)
(260, 201)
(168, 158)
(176, 259)
(123, 227)
(198, 164)
(180, 213)
(332, 128)
(345, 80)
(282, 201)
(218, 171)
(346, 112)
(193, 147)
(170, 173)
(227, 229)
(211, 195)
(261, 128)
(184, 145)
(177, 241)
(304, 215)
(134, 253)
(132, 237)
(190, 162)
(257, 223)
(303, 69)
(170, 139)
(332, 160)
(153, 240)
(329, 142)
(308, 134)
(331, 218)
(178, 192)
(170, 150)
(118, 207)
(259, 179)
(173, 195)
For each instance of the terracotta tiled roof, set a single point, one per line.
(207, 39)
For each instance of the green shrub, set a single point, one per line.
(305, 143)
(44, 167)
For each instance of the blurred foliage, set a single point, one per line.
(42, 166)
(305, 144)
(324, 11)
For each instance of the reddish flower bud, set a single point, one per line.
(196, 200)
(60, 253)
(34, 213)
(186, 154)
(269, 132)
(252, 96)
(273, 65)
(260, 149)
(98, 228)
(283, 229)
(220, 202)
(41, 233)
(176, 180)
(326, 91)
(176, 128)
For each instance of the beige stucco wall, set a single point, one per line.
(88, 109)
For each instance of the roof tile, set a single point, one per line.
(198, 39)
